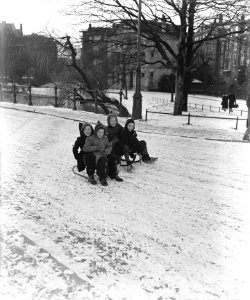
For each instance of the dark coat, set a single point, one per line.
(113, 134)
(232, 100)
(78, 147)
(129, 138)
(80, 141)
(224, 101)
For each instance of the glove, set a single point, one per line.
(99, 148)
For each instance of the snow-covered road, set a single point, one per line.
(178, 229)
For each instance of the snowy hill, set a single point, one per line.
(178, 229)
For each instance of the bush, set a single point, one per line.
(166, 83)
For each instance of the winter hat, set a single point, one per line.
(84, 125)
(129, 121)
(98, 126)
(110, 116)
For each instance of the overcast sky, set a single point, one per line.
(37, 15)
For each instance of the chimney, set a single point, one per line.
(21, 29)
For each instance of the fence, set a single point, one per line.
(195, 116)
(27, 94)
(197, 105)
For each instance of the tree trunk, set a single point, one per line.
(178, 94)
(185, 91)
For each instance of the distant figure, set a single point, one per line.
(247, 133)
(224, 102)
(232, 101)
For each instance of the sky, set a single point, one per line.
(37, 16)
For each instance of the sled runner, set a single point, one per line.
(79, 173)
(135, 158)
(152, 160)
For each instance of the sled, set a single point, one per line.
(79, 173)
(134, 159)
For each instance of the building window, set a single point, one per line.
(151, 74)
(142, 75)
(152, 54)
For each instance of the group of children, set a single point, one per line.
(100, 150)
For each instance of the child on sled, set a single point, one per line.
(113, 130)
(84, 159)
(106, 162)
(129, 145)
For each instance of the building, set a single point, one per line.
(112, 52)
(229, 56)
(10, 46)
(25, 57)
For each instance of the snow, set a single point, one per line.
(176, 229)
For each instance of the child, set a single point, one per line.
(113, 130)
(129, 144)
(85, 158)
(105, 161)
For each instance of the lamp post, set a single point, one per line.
(137, 98)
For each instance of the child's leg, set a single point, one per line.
(125, 151)
(141, 148)
(113, 163)
(80, 164)
(89, 159)
(101, 168)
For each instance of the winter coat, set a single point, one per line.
(113, 134)
(224, 101)
(232, 100)
(79, 143)
(99, 147)
(129, 138)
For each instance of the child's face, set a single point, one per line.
(100, 133)
(131, 126)
(112, 122)
(87, 131)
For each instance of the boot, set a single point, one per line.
(145, 155)
(104, 182)
(117, 178)
(92, 179)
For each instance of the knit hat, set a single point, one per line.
(98, 126)
(129, 121)
(110, 116)
(84, 125)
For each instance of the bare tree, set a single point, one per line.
(71, 60)
(179, 18)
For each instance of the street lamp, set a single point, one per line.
(137, 98)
